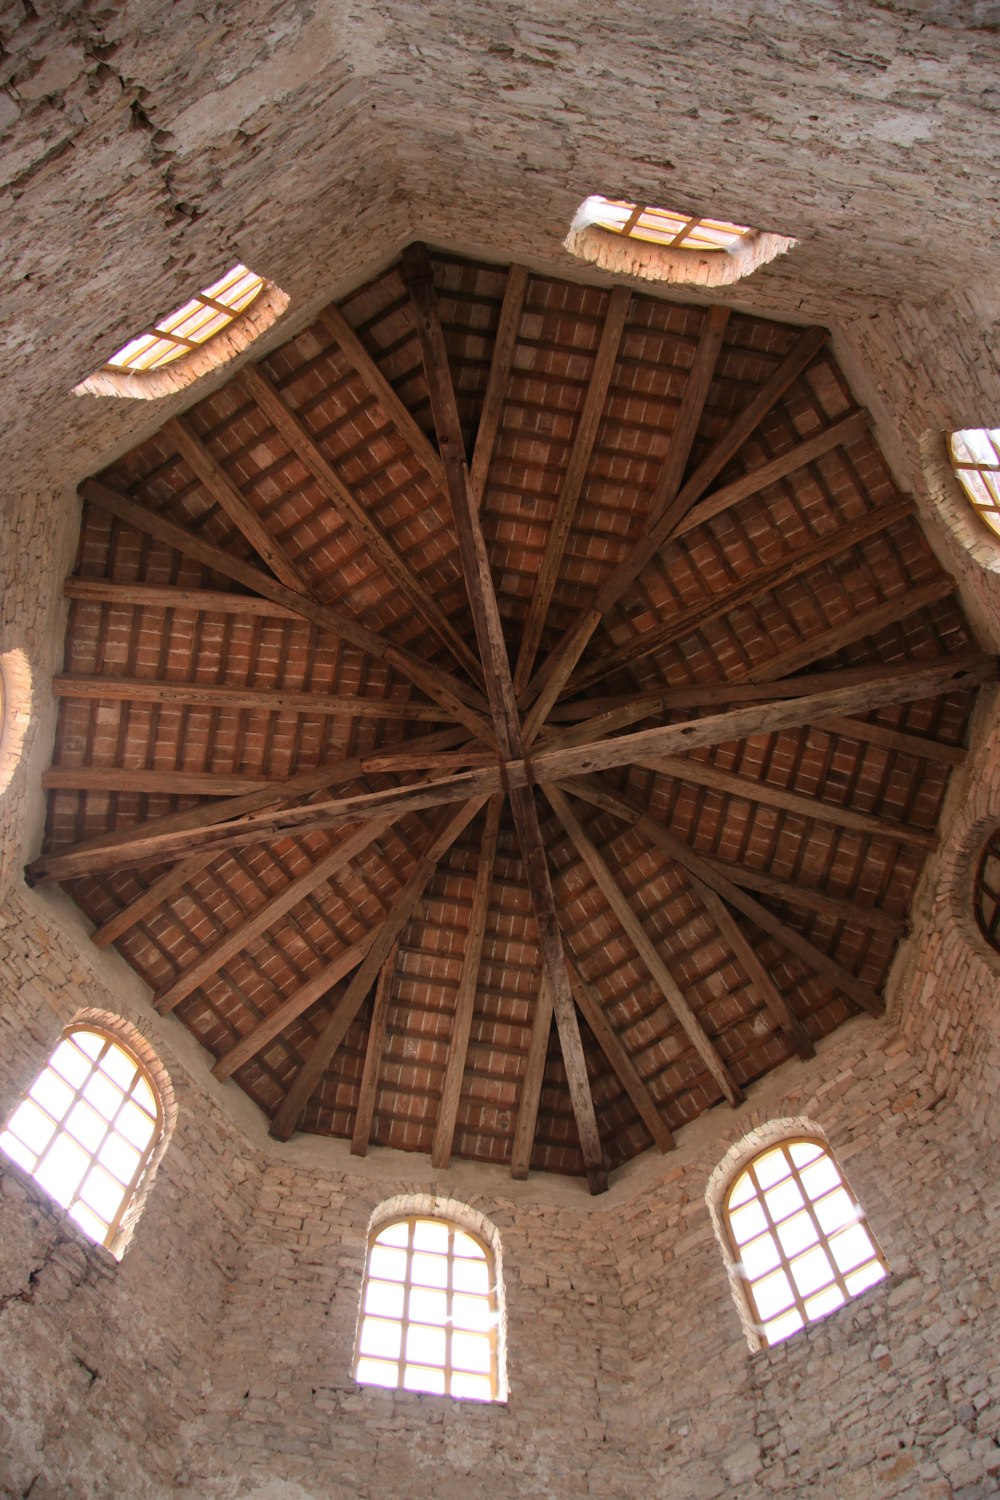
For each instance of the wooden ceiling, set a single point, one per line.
(510, 719)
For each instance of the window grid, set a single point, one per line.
(780, 1322)
(410, 1372)
(987, 891)
(975, 458)
(65, 1124)
(191, 325)
(663, 226)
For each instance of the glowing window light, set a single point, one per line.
(192, 325)
(662, 226)
(975, 458)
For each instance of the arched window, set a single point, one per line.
(799, 1237)
(429, 1311)
(987, 891)
(975, 458)
(87, 1128)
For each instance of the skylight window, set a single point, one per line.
(663, 226)
(975, 458)
(86, 1129)
(429, 1311)
(193, 324)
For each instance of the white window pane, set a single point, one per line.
(812, 1271)
(119, 1068)
(825, 1302)
(103, 1095)
(430, 1270)
(471, 1387)
(747, 1223)
(425, 1345)
(380, 1338)
(17, 1152)
(759, 1256)
(70, 1062)
(770, 1168)
(470, 1276)
(835, 1211)
(376, 1372)
(428, 1307)
(62, 1170)
(772, 1294)
(472, 1312)
(120, 1159)
(820, 1178)
(388, 1265)
(394, 1234)
(101, 1193)
(797, 1234)
(54, 1096)
(31, 1126)
(429, 1235)
(466, 1246)
(143, 1096)
(88, 1042)
(743, 1190)
(803, 1152)
(385, 1298)
(783, 1199)
(86, 1126)
(782, 1327)
(417, 1378)
(95, 1228)
(851, 1247)
(865, 1277)
(471, 1351)
(135, 1125)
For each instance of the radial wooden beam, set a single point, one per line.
(812, 807)
(571, 488)
(365, 1112)
(625, 1070)
(814, 958)
(637, 936)
(452, 695)
(451, 1090)
(283, 1015)
(555, 671)
(87, 778)
(885, 686)
(531, 1083)
(332, 320)
(262, 827)
(793, 564)
(172, 596)
(358, 518)
(151, 899)
(335, 1027)
(501, 365)
(241, 937)
(233, 502)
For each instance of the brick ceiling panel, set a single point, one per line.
(509, 720)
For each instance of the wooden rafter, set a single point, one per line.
(601, 872)
(584, 438)
(359, 518)
(365, 1112)
(814, 958)
(458, 1046)
(452, 695)
(264, 700)
(531, 1083)
(347, 1007)
(504, 344)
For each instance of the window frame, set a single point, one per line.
(492, 1297)
(785, 1262)
(988, 514)
(147, 1154)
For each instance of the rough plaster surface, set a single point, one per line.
(144, 148)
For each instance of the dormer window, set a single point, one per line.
(975, 459)
(667, 244)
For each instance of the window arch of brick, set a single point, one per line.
(93, 1126)
(796, 1240)
(431, 1314)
